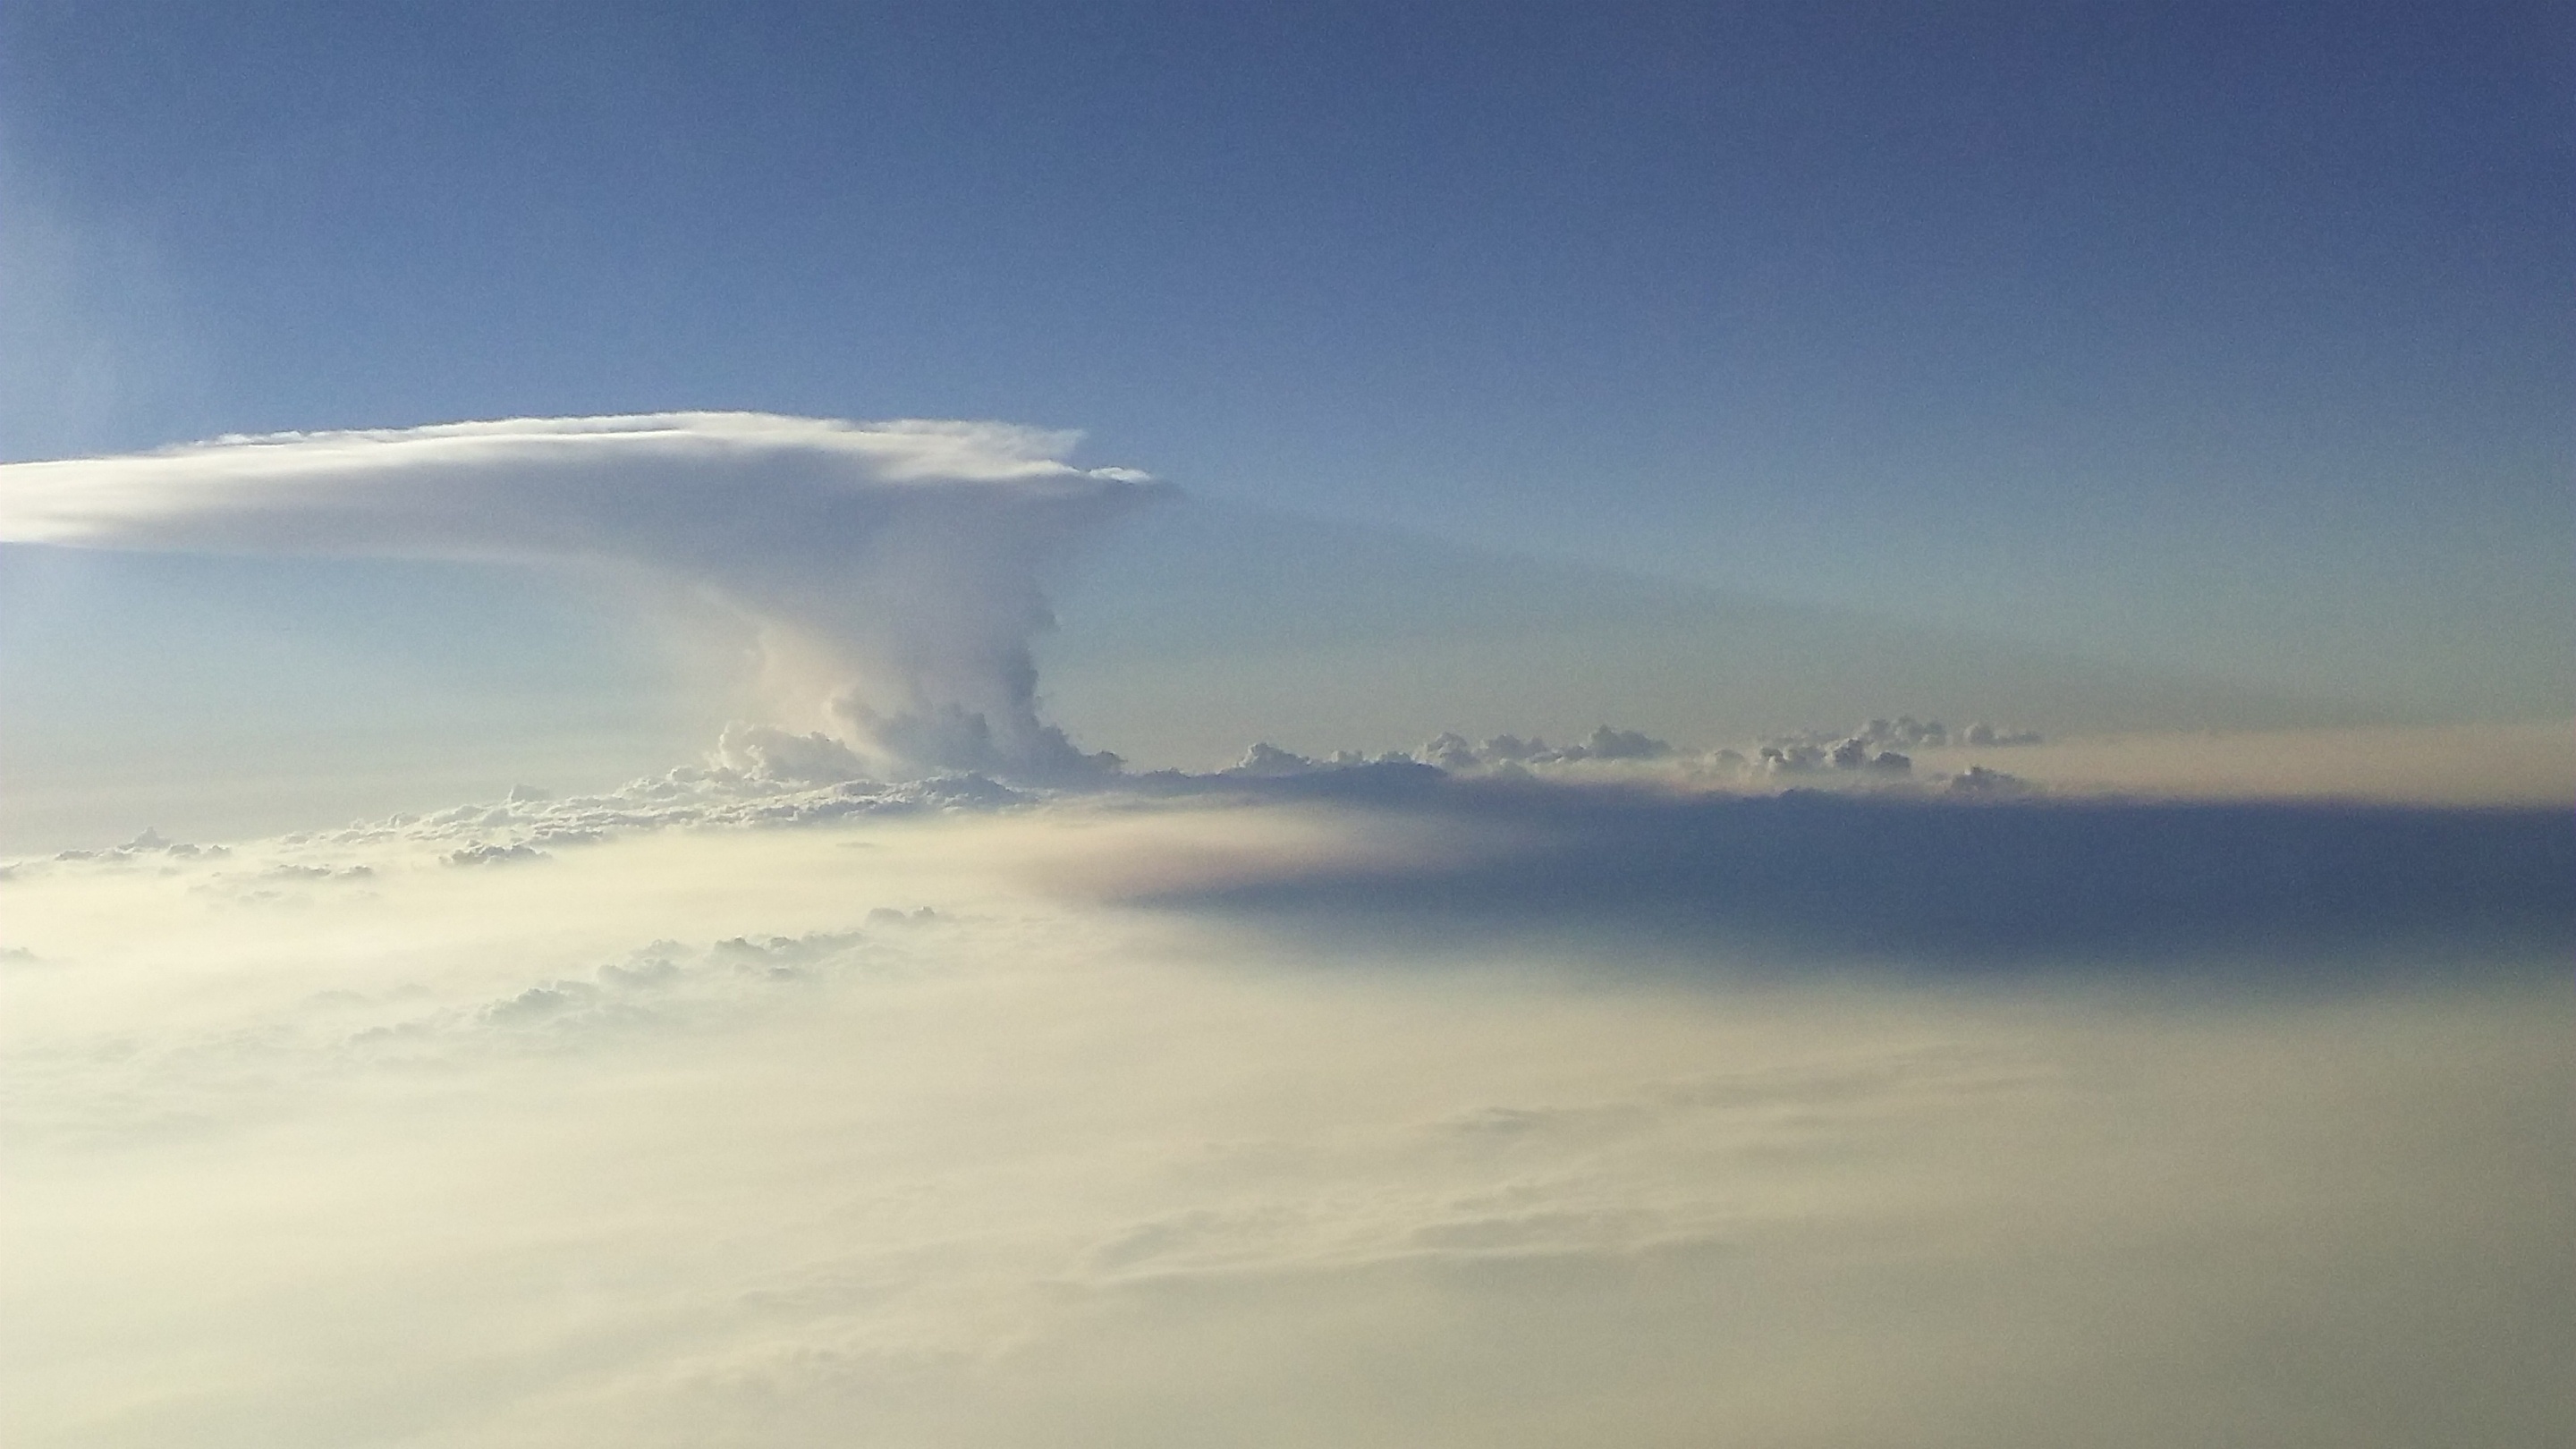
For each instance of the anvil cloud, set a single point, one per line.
(893, 569)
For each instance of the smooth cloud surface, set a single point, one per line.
(894, 568)
(869, 1132)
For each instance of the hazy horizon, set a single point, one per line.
(1433, 726)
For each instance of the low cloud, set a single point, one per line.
(864, 1130)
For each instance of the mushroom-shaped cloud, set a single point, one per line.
(895, 569)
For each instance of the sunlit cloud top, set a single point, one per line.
(893, 569)
(421, 490)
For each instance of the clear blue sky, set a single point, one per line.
(2233, 337)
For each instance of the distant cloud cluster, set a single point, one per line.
(1878, 746)
(1455, 752)
(488, 854)
(1850, 754)
(1905, 732)
(1865, 757)
(761, 775)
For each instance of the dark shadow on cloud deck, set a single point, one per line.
(2301, 890)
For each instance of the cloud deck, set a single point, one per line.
(868, 1127)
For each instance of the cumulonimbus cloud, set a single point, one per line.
(894, 568)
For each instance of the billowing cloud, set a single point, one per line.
(1604, 744)
(895, 570)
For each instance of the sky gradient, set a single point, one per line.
(2210, 339)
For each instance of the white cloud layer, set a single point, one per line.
(894, 569)
(872, 1132)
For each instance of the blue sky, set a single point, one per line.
(2222, 339)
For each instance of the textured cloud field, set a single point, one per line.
(904, 1075)
(946, 1122)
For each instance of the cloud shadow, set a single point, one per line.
(2299, 890)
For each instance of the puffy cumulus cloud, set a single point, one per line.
(1603, 745)
(1860, 759)
(869, 1131)
(765, 754)
(1978, 782)
(1867, 758)
(1850, 754)
(1908, 733)
(1878, 746)
(1455, 753)
(894, 569)
(1986, 736)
